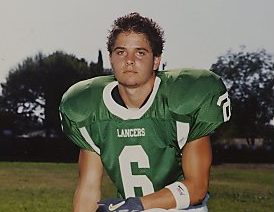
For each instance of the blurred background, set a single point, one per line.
(46, 46)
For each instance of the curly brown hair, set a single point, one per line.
(134, 22)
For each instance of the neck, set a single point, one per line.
(134, 97)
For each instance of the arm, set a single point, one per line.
(196, 162)
(88, 191)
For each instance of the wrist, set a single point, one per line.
(180, 194)
(146, 204)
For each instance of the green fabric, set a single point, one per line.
(187, 96)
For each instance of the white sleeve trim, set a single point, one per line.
(88, 139)
(182, 133)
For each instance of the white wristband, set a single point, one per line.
(180, 194)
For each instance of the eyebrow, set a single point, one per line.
(123, 48)
(119, 48)
(144, 49)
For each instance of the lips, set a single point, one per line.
(129, 71)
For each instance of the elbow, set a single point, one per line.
(199, 197)
(198, 194)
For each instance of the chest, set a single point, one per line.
(112, 136)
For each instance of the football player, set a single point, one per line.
(149, 129)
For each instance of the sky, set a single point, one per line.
(196, 31)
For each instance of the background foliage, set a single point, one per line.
(33, 90)
(249, 77)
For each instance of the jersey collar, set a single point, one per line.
(125, 113)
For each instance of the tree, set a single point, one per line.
(60, 71)
(21, 93)
(34, 89)
(97, 69)
(7, 122)
(249, 77)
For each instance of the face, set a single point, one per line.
(132, 60)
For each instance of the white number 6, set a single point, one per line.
(134, 154)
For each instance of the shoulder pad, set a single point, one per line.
(82, 98)
(188, 89)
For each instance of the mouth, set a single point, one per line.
(130, 71)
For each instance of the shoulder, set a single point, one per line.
(189, 88)
(82, 98)
(195, 78)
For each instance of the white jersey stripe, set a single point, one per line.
(182, 133)
(88, 139)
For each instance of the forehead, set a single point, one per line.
(129, 39)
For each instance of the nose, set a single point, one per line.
(130, 59)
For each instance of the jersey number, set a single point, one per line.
(129, 155)
(226, 106)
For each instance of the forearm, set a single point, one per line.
(85, 199)
(165, 199)
(196, 163)
(160, 199)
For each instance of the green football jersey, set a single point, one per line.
(141, 149)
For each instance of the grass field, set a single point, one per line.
(49, 187)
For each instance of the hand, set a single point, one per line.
(131, 204)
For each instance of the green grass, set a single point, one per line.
(49, 187)
(247, 188)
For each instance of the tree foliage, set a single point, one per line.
(33, 90)
(249, 77)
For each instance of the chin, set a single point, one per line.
(132, 84)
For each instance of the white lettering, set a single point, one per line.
(130, 133)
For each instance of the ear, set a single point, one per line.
(156, 63)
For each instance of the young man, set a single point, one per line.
(149, 130)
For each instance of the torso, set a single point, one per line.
(138, 147)
(141, 149)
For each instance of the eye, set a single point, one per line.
(120, 52)
(141, 53)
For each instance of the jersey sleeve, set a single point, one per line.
(73, 109)
(209, 115)
(72, 131)
(200, 98)
(78, 110)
